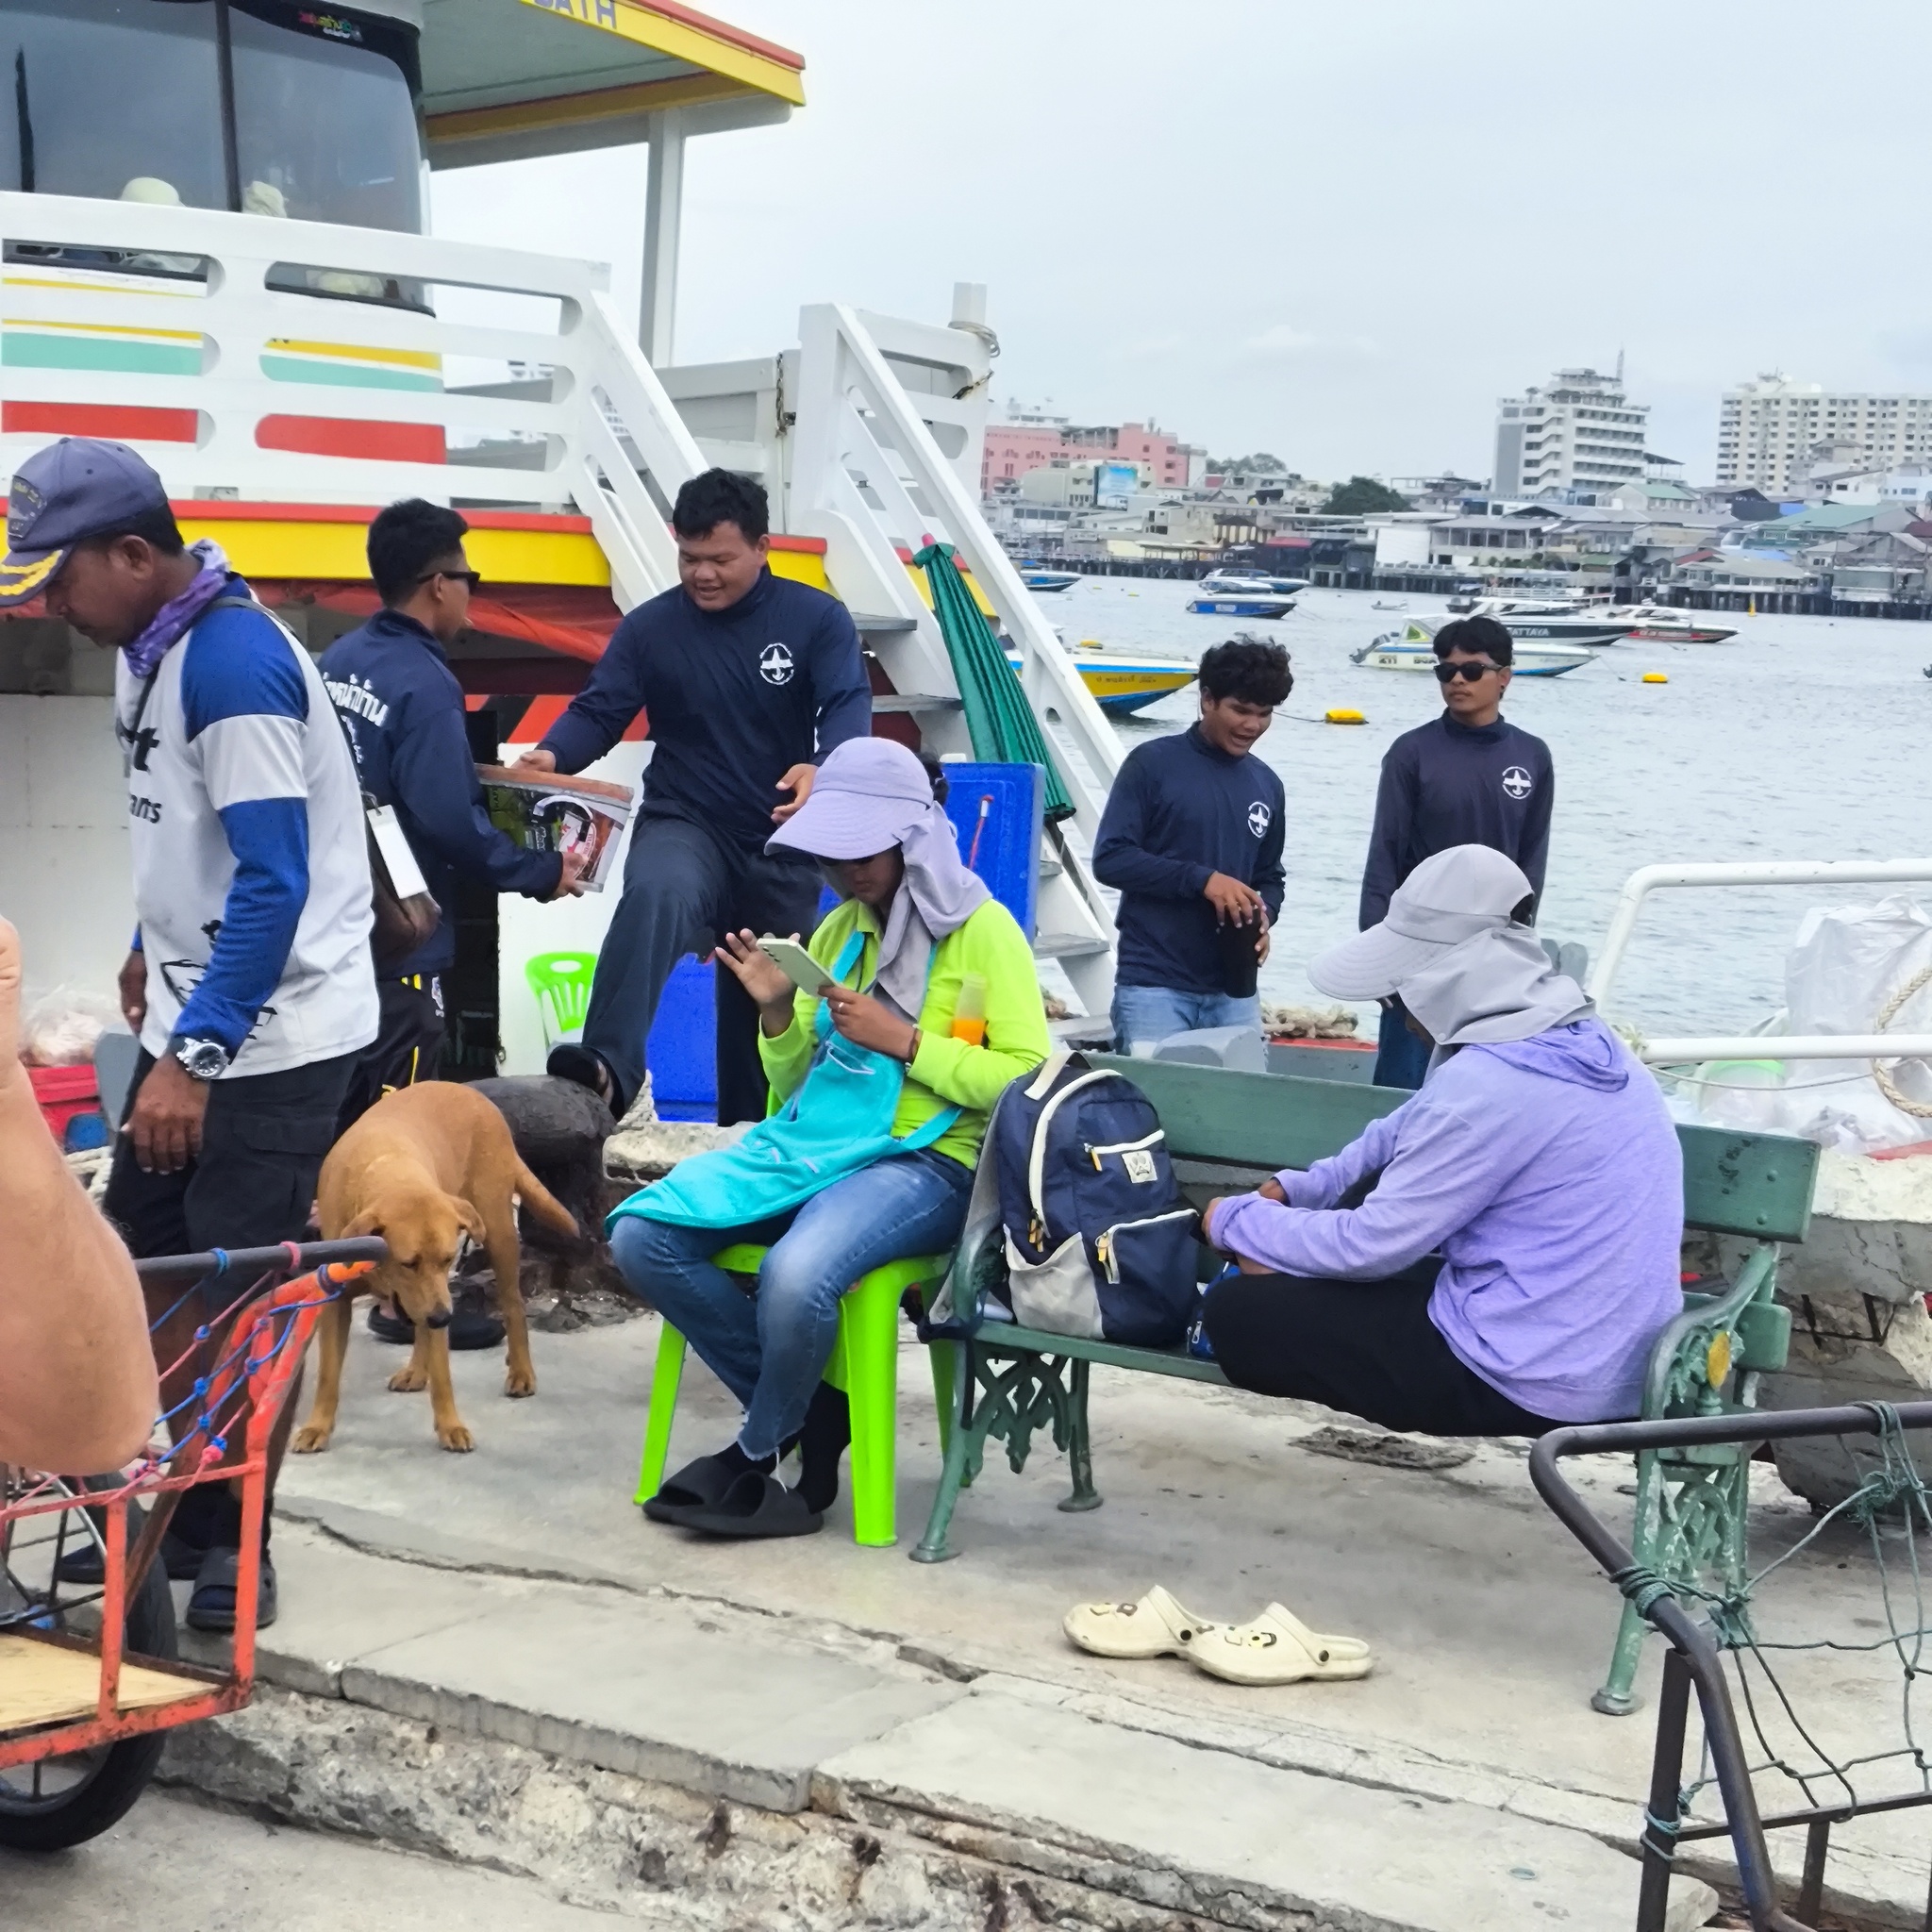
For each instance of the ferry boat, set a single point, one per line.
(1037, 579)
(242, 289)
(1413, 648)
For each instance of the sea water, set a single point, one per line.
(1805, 738)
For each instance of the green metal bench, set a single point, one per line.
(1225, 1131)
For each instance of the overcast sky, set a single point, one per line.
(1339, 233)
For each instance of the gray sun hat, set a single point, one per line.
(63, 494)
(1450, 897)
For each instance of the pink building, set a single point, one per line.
(1013, 448)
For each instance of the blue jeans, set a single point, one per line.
(1152, 1013)
(771, 1349)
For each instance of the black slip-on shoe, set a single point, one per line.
(698, 1485)
(568, 1060)
(212, 1606)
(757, 1506)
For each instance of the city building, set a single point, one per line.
(1106, 483)
(1774, 434)
(1577, 433)
(1034, 440)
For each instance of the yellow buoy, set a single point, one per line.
(1342, 717)
(1654, 677)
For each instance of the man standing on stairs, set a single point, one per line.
(747, 680)
(1468, 777)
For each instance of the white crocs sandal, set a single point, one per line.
(1158, 1625)
(1278, 1648)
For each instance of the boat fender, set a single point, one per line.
(1344, 717)
(1654, 677)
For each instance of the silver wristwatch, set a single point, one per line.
(201, 1060)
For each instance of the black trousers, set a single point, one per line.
(683, 886)
(251, 1186)
(408, 1046)
(1367, 1348)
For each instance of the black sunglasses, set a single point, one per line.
(474, 578)
(1448, 674)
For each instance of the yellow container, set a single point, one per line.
(1344, 717)
(969, 1014)
(1654, 677)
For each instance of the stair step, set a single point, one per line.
(904, 701)
(1067, 945)
(1050, 868)
(882, 626)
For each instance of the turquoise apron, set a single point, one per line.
(838, 1120)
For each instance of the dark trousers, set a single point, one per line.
(1401, 1058)
(1367, 1348)
(408, 1046)
(683, 886)
(251, 1186)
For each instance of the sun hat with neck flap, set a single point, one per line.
(870, 795)
(1451, 948)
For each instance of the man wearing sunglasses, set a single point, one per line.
(402, 710)
(1468, 777)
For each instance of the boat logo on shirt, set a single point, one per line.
(774, 664)
(1259, 818)
(1516, 782)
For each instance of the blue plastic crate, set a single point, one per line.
(997, 812)
(682, 1049)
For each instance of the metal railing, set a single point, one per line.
(1806, 872)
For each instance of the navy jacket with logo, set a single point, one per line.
(1179, 812)
(1446, 784)
(403, 709)
(734, 699)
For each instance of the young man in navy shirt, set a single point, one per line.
(1465, 778)
(1192, 838)
(748, 679)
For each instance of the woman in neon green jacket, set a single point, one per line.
(871, 1154)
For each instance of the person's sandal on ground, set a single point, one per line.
(85, 1563)
(472, 1326)
(757, 1505)
(699, 1485)
(212, 1606)
(1278, 1648)
(1158, 1625)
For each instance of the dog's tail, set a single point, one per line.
(536, 1199)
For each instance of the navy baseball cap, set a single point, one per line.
(61, 496)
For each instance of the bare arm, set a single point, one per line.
(77, 1379)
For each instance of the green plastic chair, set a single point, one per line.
(865, 1363)
(561, 982)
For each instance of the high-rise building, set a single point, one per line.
(1773, 433)
(1579, 431)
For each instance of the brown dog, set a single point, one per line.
(423, 1166)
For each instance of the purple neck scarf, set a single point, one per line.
(176, 617)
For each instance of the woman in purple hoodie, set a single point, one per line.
(1514, 1254)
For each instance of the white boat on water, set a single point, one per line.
(1666, 625)
(1413, 648)
(1547, 621)
(1237, 582)
(1038, 579)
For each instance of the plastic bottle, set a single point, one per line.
(968, 1012)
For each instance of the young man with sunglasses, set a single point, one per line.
(402, 710)
(1468, 777)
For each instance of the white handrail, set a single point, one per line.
(1779, 872)
(1791, 1046)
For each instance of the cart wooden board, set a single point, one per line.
(49, 1683)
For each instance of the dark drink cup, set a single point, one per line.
(1239, 964)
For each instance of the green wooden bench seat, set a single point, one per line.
(1227, 1131)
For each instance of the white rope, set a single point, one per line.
(1887, 1085)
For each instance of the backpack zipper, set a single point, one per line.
(1103, 1245)
(1125, 1146)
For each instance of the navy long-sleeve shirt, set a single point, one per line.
(734, 699)
(403, 709)
(1179, 812)
(1446, 784)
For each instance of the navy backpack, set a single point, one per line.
(1099, 1241)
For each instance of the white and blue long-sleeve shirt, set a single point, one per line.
(251, 861)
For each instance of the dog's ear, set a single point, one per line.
(471, 1221)
(368, 1221)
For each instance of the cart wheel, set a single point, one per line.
(59, 1802)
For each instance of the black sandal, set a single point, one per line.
(585, 1067)
(756, 1506)
(700, 1484)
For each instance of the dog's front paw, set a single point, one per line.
(456, 1438)
(519, 1382)
(408, 1379)
(309, 1439)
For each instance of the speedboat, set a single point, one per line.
(1240, 603)
(1413, 648)
(1038, 579)
(1661, 623)
(1541, 621)
(1248, 583)
(1123, 685)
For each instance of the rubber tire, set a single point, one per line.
(124, 1772)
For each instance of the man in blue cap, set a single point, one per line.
(250, 983)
